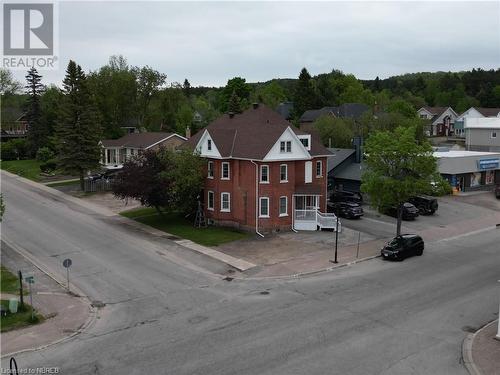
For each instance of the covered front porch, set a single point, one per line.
(307, 214)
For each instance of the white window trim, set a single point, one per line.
(208, 200)
(228, 171)
(268, 177)
(321, 168)
(208, 170)
(285, 150)
(228, 201)
(279, 206)
(284, 181)
(268, 208)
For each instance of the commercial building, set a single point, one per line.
(469, 170)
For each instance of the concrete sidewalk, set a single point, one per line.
(483, 351)
(65, 314)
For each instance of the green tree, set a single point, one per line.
(186, 86)
(242, 90)
(8, 84)
(184, 119)
(37, 132)
(304, 96)
(397, 168)
(78, 127)
(271, 94)
(336, 132)
(234, 103)
(148, 84)
(402, 107)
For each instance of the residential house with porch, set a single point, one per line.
(262, 173)
(441, 120)
(116, 151)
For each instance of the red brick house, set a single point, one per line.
(263, 174)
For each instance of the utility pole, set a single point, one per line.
(21, 295)
(336, 238)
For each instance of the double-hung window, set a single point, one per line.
(319, 169)
(263, 207)
(225, 202)
(210, 173)
(225, 174)
(211, 200)
(283, 173)
(283, 206)
(264, 174)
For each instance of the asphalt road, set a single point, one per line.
(165, 316)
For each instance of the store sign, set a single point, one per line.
(488, 163)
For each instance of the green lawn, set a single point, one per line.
(176, 224)
(24, 168)
(19, 319)
(9, 282)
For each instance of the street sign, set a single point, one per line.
(30, 279)
(67, 263)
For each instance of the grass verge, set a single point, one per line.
(25, 168)
(175, 223)
(8, 281)
(18, 320)
(64, 183)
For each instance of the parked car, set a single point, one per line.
(410, 212)
(346, 196)
(349, 210)
(497, 191)
(426, 205)
(403, 246)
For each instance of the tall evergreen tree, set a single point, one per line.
(304, 97)
(186, 87)
(234, 103)
(78, 128)
(37, 132)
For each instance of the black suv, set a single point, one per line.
(346, 196)
(403, 246)
(410, 212)
(349, 210)
(426, 205)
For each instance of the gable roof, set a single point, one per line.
(436, 111)
(339, 155)
(139, 140)
(346, 110)
(488, 112)
(251, 134)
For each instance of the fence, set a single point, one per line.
(97, 185)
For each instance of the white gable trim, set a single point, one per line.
(202, 149)
(299, 152)
(164, 139)
(448, 112)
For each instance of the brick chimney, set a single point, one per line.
(188, 132)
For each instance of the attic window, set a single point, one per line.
(286, 146)
(209, 145)
(306, 141)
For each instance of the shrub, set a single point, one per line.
(44, 154)
(14, 149)
(49, 166)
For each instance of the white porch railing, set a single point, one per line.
(312, 219)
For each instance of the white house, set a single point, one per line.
(482, 134)
(442, 120)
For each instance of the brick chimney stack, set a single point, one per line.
(188, 132)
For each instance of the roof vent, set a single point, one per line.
(231, 114)
(255, 105)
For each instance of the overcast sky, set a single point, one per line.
(210, 42)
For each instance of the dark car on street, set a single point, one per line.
(346, 196)
(349, 210)
(410, 212)
(426, 205)
(403, 246)
(497, 191)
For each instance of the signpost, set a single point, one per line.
(31, 280)
(67, 264)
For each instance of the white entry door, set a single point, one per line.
(308, 172)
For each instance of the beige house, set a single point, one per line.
(117, 151)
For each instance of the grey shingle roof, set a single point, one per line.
(136, 140)
(339, 156)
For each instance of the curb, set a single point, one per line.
(467, 350)
(92, 310)
(309, 273)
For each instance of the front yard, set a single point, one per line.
(25, 168)
(176, 224)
